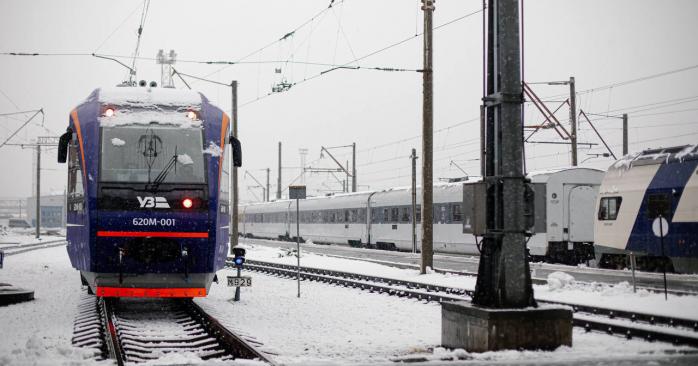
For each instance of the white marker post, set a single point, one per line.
(660, 227)
(297, 193)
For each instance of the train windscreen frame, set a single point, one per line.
(139, 154)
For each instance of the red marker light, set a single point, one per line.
(187, 203)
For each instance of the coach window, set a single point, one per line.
(346, 215)
(394, 214)
(456, 214)
(386, 215)
(419, 213)
(405, 214)
(608, 208)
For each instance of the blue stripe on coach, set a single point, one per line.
(682, 239)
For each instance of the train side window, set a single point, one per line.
(386, 216)
(419, 213)
(346, 216)
(405, 214)
(456, 213)
(609, 207)
(394, 214)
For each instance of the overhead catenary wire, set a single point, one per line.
(383, 49)
(144, 15)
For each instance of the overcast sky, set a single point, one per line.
(599, 42)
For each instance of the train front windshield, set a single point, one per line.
(140, 154)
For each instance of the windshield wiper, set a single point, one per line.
(172, 163)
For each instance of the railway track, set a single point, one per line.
(132, 331)
(627, 324)
(33, 246)
(467, 266)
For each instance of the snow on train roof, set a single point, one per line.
(146, 105)
(657, 156)
(146, 96)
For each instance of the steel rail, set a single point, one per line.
(114, 349)
(584, 315)
(534, 269)
(34, 246)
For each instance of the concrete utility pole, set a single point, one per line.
(414, 200)
(278, 185)
(427, 141)
(573, 120)
(625, 134)
(268, 194)
(234, 171)
(38, 190)
(353, 166)
(504, 278)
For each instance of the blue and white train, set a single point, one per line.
(665, 178)
(147, 193)
(383, 219)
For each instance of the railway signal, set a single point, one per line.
(239, 281)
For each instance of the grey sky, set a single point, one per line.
(598, 42)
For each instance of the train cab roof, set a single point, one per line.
(133, 105)
(664, 155)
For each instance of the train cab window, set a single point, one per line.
(139, 154)
(608, 208)
(405, 214)
(456, 214)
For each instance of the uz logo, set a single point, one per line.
(153, 202)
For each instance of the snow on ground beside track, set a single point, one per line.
(40, 331)
(337, 325)
(619, 296)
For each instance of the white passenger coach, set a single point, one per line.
(563, 231)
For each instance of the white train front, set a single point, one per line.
(383, 219)
(668, 176)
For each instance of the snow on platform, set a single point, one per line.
(40, 331)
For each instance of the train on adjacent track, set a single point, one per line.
(563, 231)
(635, 191)
(147, 197)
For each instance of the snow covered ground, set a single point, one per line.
(619, 296)
(326, 325)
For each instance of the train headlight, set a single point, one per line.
(192, 115)
(187, 203)
(109, 112)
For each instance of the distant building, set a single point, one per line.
(52, 211)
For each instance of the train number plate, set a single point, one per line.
(242, 281)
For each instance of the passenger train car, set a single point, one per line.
(383, 219)
(147, 192)
(666, 178)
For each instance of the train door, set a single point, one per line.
(579, 220)
(369, 218)
(287, 220)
